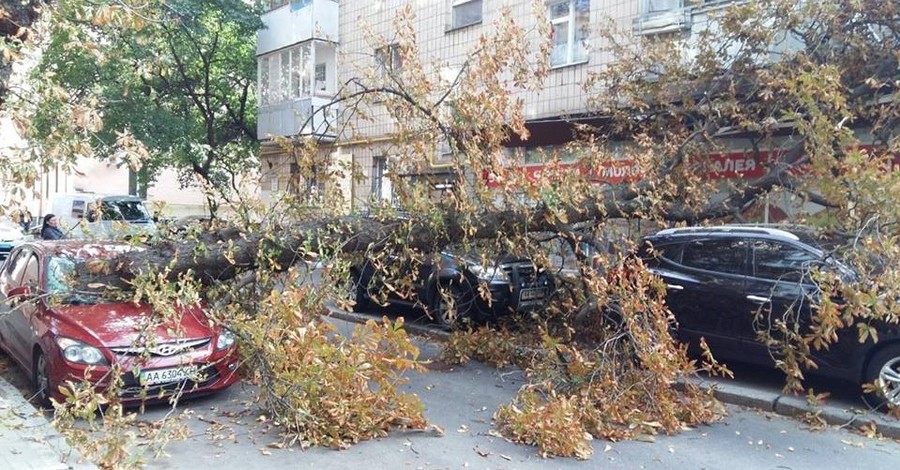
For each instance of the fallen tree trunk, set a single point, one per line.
(225, 253)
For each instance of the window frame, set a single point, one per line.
(31, 273)
(320, 86)
(459, 5)
(379, 168)
(264, 80)
(280, 82)
(572, 26)
(388, 60)
(15, 267)
(647, 5)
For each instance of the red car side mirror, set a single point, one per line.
(19, 291)
(19, 294)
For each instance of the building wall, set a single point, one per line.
(439, 46)
(562, 93)
(365, 25)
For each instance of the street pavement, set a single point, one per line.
(228, 431)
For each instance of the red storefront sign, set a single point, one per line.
(732, 165)
(714, 166)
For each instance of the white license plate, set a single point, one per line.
(164, 376)
(533, 294)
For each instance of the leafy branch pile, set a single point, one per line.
(324, 388)
(620, 375)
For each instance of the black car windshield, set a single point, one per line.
(69, 282)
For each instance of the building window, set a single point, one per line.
(273, 4)
(443, 156)
(465, 13)
(321, 75)
(284, 75)
(657, 6)
(569, 21)
(379, 167)
(307, 183)
(388, 60)
(295, 4)
(296, 72)
(264, 81)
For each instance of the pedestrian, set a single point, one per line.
(25, 220)
(50, 230)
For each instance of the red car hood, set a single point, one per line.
(121, 324)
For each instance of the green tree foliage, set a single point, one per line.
(150, 85)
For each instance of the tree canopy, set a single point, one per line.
(148, 85)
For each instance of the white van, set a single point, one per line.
(89, 215)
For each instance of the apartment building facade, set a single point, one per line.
(311, 47)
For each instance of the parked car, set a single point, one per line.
(60, 322)
(89, 215)
(718, 278)
(448, 287)
(10, 235)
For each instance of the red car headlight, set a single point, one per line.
(226, 339)
(80, 353)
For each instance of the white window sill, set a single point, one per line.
(452, 29)
(569, 64)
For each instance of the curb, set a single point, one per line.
(842, 415)
(412, 327)
(835, 415)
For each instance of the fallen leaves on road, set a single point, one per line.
(439, 431)
(853, 443)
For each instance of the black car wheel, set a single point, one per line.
(356, 292)
(40, 377)
(884, 372)
(452, 304)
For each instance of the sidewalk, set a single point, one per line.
(27, 441)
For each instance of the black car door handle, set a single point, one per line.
(757, 299)
(674, 287)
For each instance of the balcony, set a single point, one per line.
(296, 22)
(663, 21)
(667, 16)
(292, 118)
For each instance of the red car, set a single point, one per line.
(60, 315)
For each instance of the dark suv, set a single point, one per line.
(719, 278)
(450, 286)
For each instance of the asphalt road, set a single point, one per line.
(228, 431)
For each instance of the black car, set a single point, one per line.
(719, 278)
(454, 288)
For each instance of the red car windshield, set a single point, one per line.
(69, 282)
